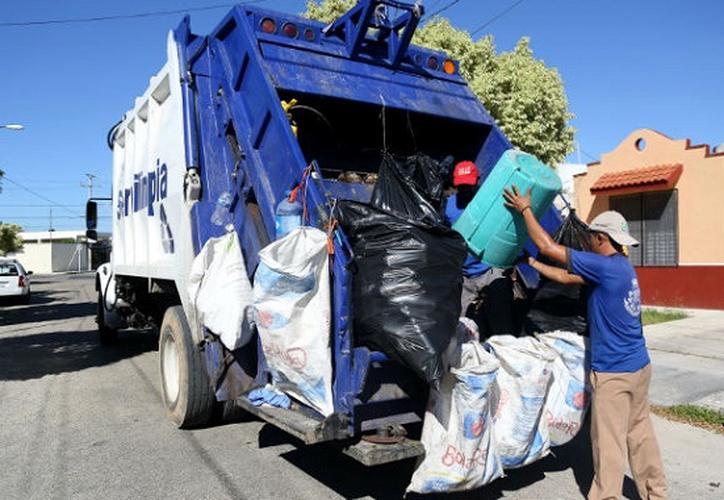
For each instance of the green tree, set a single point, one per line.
(327, 11)
(10, 241)
(529, 102)
(526, 97)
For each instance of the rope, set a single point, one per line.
(331, 226)
(302, 186)
(412, 132)
(384, 125)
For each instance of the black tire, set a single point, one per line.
(26, 299)
(106, 335)
(185, 386)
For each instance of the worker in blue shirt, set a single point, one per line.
(487, 295)
(620, 365)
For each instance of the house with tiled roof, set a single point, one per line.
(672, 194)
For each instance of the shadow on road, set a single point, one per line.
(43, 307)
(351, 479)
(34, 356)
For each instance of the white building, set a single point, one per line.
(566, 172)
(55, 251)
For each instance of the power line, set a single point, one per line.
(24, 217)
(47, 205)
(28, 217)
(590, 157)
(51, 187)
(496, 17)
(58, 184)
(35, 193)
(157, 13)
(442, 9)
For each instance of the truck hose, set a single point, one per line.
(112, 134)
(315, 111)
(105, 294)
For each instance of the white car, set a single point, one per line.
(14, 281)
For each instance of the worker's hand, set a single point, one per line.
(515, 200)
(523, 258)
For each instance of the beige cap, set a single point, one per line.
(613, 224)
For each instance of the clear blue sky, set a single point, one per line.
(653, 63)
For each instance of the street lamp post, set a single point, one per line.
(13, 126)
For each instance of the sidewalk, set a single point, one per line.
(688, 360)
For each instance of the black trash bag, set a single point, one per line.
(407, 286)
(574, 233)
(561, 307)
(412, 189)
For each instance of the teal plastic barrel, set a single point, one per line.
(494, 232)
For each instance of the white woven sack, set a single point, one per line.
(520, 391)
(219, 288)
(292, 299)
(457, 432)
(569, 395)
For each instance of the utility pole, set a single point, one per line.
(50, 222)
(87, 252)
(89, 185)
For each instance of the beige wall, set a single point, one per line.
(35, 257)
(701, 190)
(43, 258)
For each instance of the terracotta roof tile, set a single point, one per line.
(648, 176)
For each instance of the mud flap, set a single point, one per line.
(231, 372)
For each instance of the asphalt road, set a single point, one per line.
(81, 421)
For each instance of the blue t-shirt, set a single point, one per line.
(472, 266)
(614, 311)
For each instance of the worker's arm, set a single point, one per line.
(547, 246)
(555, 273)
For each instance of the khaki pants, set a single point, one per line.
(619, 422)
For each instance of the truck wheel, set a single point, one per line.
(106, 335)
(185, 385)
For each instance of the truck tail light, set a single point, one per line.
(21, 281)
(449, 66)
(290, 30)
(309, 35)
(268, 25)
(432, 62)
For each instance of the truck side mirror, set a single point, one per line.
(91, 234)
(91, 215)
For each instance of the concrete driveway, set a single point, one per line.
(81, 421)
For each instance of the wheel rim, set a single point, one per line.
(169, 363)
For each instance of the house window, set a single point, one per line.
(653, 220)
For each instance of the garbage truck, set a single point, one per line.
(233, 121)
